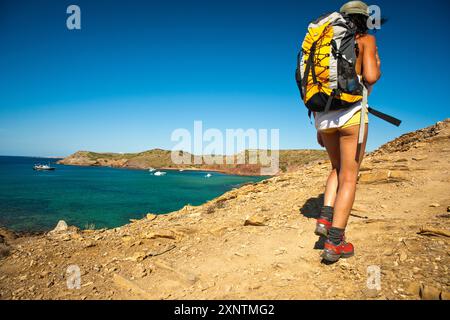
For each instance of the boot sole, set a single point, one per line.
(333, 257)
(321, 231)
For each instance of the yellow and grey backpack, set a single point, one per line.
(326, 74)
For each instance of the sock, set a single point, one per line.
(327, 212)
(336, 235)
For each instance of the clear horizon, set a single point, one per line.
(137, 71)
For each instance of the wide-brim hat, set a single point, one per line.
(355, 7)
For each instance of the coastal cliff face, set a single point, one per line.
(257, 242)
(161, 159)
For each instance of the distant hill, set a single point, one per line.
(161, 159)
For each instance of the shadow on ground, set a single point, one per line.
(311, 208)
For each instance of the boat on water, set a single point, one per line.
(159, 173)
(151, 170)
(43, 167)
(209, 175)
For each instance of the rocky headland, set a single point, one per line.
(289, 160)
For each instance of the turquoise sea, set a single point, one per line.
(97, 197)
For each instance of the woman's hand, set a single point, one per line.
(319, 139)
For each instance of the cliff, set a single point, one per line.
(257, 242)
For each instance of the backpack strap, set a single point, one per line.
(309, 66)
(330, 100)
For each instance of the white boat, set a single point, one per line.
(209, 175)
(159, 173)
(43, 167)
(181, 170)
(151, 170)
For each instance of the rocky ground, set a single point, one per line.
(257, 242)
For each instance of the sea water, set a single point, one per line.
(97, 197)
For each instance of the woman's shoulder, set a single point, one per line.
(367, 39)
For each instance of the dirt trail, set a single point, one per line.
(215, 251)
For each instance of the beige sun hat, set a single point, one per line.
(355, 7)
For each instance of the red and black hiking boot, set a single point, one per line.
(332, 252)
(322, 226)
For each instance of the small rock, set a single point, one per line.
(4, 250)
(126, 238)
(419, 158)
(413, 289)
(97, 268)
(137, 256)
(140, 271)
(373, 177)
(256, 221)
(167, 234)
(89, 244)
(445, 295)
(371, 293)
(398, 176)
(429, 293)
(60, 227)
(435, 205)
(151, 216)
(280, 251)
(344, 265)
(23, 278)
(403, 256)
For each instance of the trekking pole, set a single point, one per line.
(362, 126)
(396, 122)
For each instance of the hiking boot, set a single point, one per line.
(322, 226)
(332, 252)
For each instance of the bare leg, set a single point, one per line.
(348, 174)
(331, 143)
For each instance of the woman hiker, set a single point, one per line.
(338, 132)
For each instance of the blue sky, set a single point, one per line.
(140, 69)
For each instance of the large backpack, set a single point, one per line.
(326, 74)
(326, 68)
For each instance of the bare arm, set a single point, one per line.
(371, 60)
